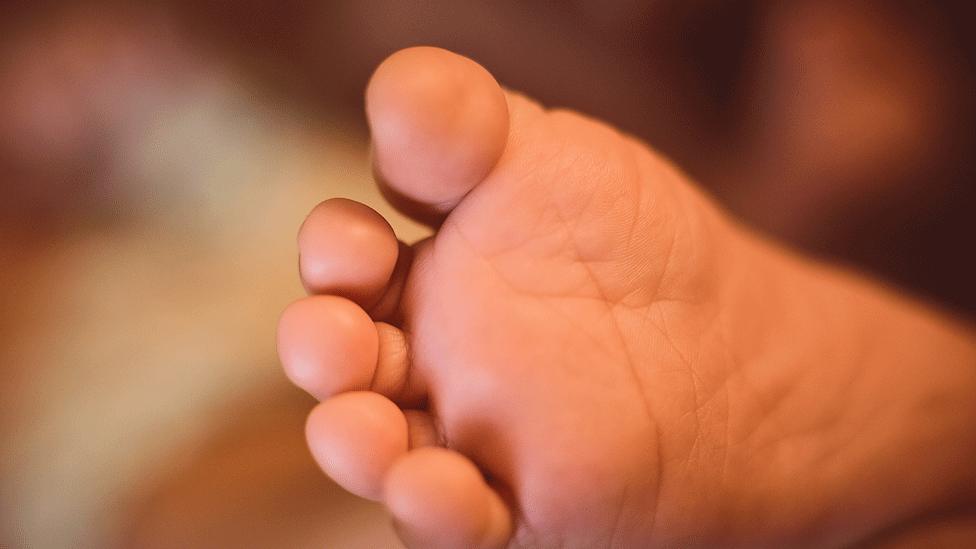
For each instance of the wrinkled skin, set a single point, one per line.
(589, 353)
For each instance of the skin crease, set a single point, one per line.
(625, 365)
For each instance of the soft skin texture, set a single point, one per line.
(356, 437)
(592, 354)
(356, 250)
(328, 332)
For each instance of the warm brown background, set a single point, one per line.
(156, 159)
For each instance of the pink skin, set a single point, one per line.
(588, 353)
(332, 333)
(355, 251)
(356, 437)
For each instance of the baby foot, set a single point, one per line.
(589, 353)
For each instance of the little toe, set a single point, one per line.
(439, 123)
(327, 345)
(347, 249)
(355, 438)
(439, 499)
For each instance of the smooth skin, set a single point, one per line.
(589, 353)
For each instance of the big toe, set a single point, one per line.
(439, 123)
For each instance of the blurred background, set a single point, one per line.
(157, 158)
